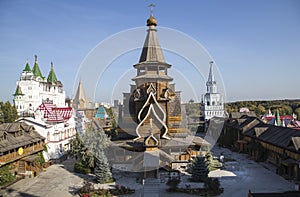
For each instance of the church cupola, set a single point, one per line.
(152, 51)
(52, 77)
(36, 69)
(151, 21)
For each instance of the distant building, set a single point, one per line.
(284, 121)
(81, 101)
(19, 145)
(84, 110)
(33, 88)
(212, 101)
(102, 119)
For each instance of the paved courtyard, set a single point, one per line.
(237, 178)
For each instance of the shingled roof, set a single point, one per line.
(18, 134)
(283, 137)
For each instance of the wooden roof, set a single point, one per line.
(16, 135)
(240, 114)
(283, 137)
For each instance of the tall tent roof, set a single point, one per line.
(152, 51)
(277, 119)
(211, 77)
(27, 67)
(52, 77)
(36, 69)
(80, 100)
(18, 91)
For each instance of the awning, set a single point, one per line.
(289, 161)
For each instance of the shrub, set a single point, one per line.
(173, 183)
(86, 188)
(80, 168)
(6, 176)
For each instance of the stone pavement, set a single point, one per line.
(55, 181)
(244, 174)
(237, 178)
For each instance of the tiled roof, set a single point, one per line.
(55, 114)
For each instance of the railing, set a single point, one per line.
(10, 157)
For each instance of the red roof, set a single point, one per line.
(268, 118)
(55, 114)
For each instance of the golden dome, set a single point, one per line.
(151, 21)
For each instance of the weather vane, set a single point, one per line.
(151, 8)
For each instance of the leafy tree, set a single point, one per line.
(285, 107)
(5, 175)
(260, 110)
(199, 169)
(112, 117)
(297, 112)
(8, 113)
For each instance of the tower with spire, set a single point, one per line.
(33, 89)
(152, 96)
(212, 101)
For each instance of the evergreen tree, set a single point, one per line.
(199, 169)
(89, 149)
(102, 169)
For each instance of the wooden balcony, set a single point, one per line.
(14, 155)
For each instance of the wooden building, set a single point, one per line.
(21, 146)
(263, 142)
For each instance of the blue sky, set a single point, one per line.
(255, 43)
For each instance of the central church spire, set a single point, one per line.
(152, 51)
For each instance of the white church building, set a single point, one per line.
(33, 88)
(40, 102)
(212, 101)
